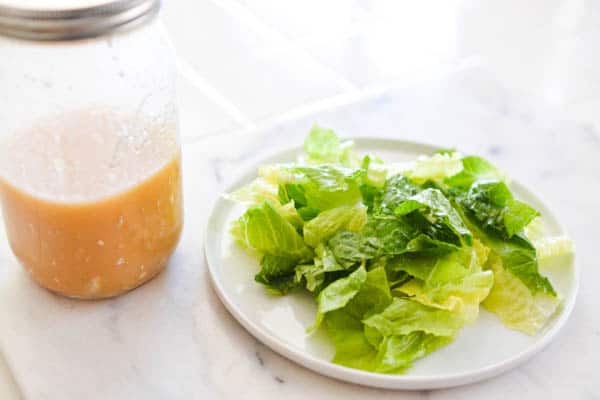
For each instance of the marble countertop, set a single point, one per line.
(173, 339)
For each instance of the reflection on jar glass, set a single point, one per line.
(90, 170)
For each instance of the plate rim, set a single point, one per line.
(356, 376)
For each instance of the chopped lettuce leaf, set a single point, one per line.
(263, 229)
(349, 158)
(326, 224)
(436, 167)
(277, 174)
(259, 191)
(277, 273)
(514, 303)
(374, 296)
(517, 216)
(517, 253)
(315, 274)
(328, 178)
(368, 346)
(473, 169)
(493, 205)
(352, 349)
(553, 247)
(456, 283)
(345, 326)
(404, 316)
(322, 146)
(535, 230)
(339, 293)
(519, 258)
(350, 248)
(426, 245)
(375, 171)
(438, 211)
(415, 265)
(397, 353)
(391, 235)
(397, 190)
(322, 187)
(396, 277)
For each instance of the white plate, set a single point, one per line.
(482, 350)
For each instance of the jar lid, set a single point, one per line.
(35, 20)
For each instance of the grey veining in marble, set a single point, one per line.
(173, 339)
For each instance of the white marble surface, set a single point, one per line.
(172, 338)
(270, 56)
(518, 82)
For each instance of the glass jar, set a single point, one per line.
(90, 178)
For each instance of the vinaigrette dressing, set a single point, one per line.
(92, 206)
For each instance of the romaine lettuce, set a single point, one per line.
(399, 257)
(515, 304)
(326, 224)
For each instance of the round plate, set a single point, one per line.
(480, 351)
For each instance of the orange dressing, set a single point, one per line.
(89, 211)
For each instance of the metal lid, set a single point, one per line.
(42, 23)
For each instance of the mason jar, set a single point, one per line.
(90, 171)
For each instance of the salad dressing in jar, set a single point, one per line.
(90, 170)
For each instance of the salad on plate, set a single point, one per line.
(398, 256)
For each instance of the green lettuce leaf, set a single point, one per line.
(456, 283)
(260, 190)
(375, 171)
(352, 349)
(337, 294)
(518, 215)
(436, 209)
(493, 205)
(314, 274)
(263, 229)
(326, 224)
(407, 218)
(436, 167)
(535, 230)
(555, 246)
(256, 192)
(350, 248)
(323, 187)
(328, 178)
(322, 146)
(345, 325)
(366, 346)
(415, 265)
(515, 304)
(518, 256)
(425, 245)
(373, 297)
(277, 273)
(404, 316)
(397, 353)
(391, 235)
(474, 169)
(394, 236)
(397, 189)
